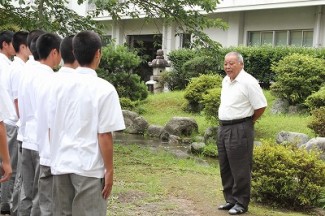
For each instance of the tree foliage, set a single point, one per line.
(49, 15)
(190, 16)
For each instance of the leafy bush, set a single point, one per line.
(199, 65)
(210, 150)
(197, 88)
(316, 100)
(118, 58)
(189, 63)
(128, 85)
(211, 103)
(287, 176)
(297, 77)
(116, 66)
(317, 123)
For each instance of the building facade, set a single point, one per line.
(251, 22)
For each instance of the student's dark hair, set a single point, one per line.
(85, 45)
(46, 43)
(66, 50)
(19, 38)
(33, 34)
(33, 48)
(5, 36)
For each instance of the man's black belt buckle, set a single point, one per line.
(235, 121)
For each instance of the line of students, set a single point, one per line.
(66, 122)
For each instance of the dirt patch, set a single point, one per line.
(135, 203)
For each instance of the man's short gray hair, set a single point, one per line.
(239, 56)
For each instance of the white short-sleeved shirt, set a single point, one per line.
(6, 107)
(4, 64)
(81, 106)
(12, 83)
(42, 85)
(240, 97)
(42, 94)
(27, 104)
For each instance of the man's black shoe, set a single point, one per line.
(237, 209)
(226, 206)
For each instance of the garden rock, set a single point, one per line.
(155, 130)
(164, 137)
(317, 143)
(129, 117)
(197, 147)
(292, 137)
(280, 106)
(135, 124)
(181, 126)
(211, 135)
(174, 140)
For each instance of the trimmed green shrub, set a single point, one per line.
(118, 58)
(129, 86)
(211, 103)
(199, 86)
(316, 100)
(116, 66)
(317, 123)
(287, 176)
(297, 77)
(189, 63)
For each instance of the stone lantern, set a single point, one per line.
(158, 66)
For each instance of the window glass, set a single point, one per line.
(280, 38)
(267, 38)
(295, 38)
(185, 40)
(255, 38)
(307, 39)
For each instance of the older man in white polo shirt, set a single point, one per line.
(242, 103)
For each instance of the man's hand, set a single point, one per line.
(6, 171)
(108, 184)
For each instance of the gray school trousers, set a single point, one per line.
(45, 185)
(29, 199)
(77, 195)
(7, 187)
(17, 186)
(235, 153)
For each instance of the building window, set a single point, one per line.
(185, 40)
(283, 37)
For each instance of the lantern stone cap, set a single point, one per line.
(159, 61)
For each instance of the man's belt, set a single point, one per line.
(235, 121)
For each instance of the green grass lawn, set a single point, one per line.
(160, 108)
(154, 183)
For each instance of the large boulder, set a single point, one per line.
(292, 137)
(181, 126)
(134, 123)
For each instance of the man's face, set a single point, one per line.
(8, 49)
(232, 66)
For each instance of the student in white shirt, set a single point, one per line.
(48, 46)
(19, 42)
(6, 110)
(84, 112)
(6, 52)
(29, 204)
